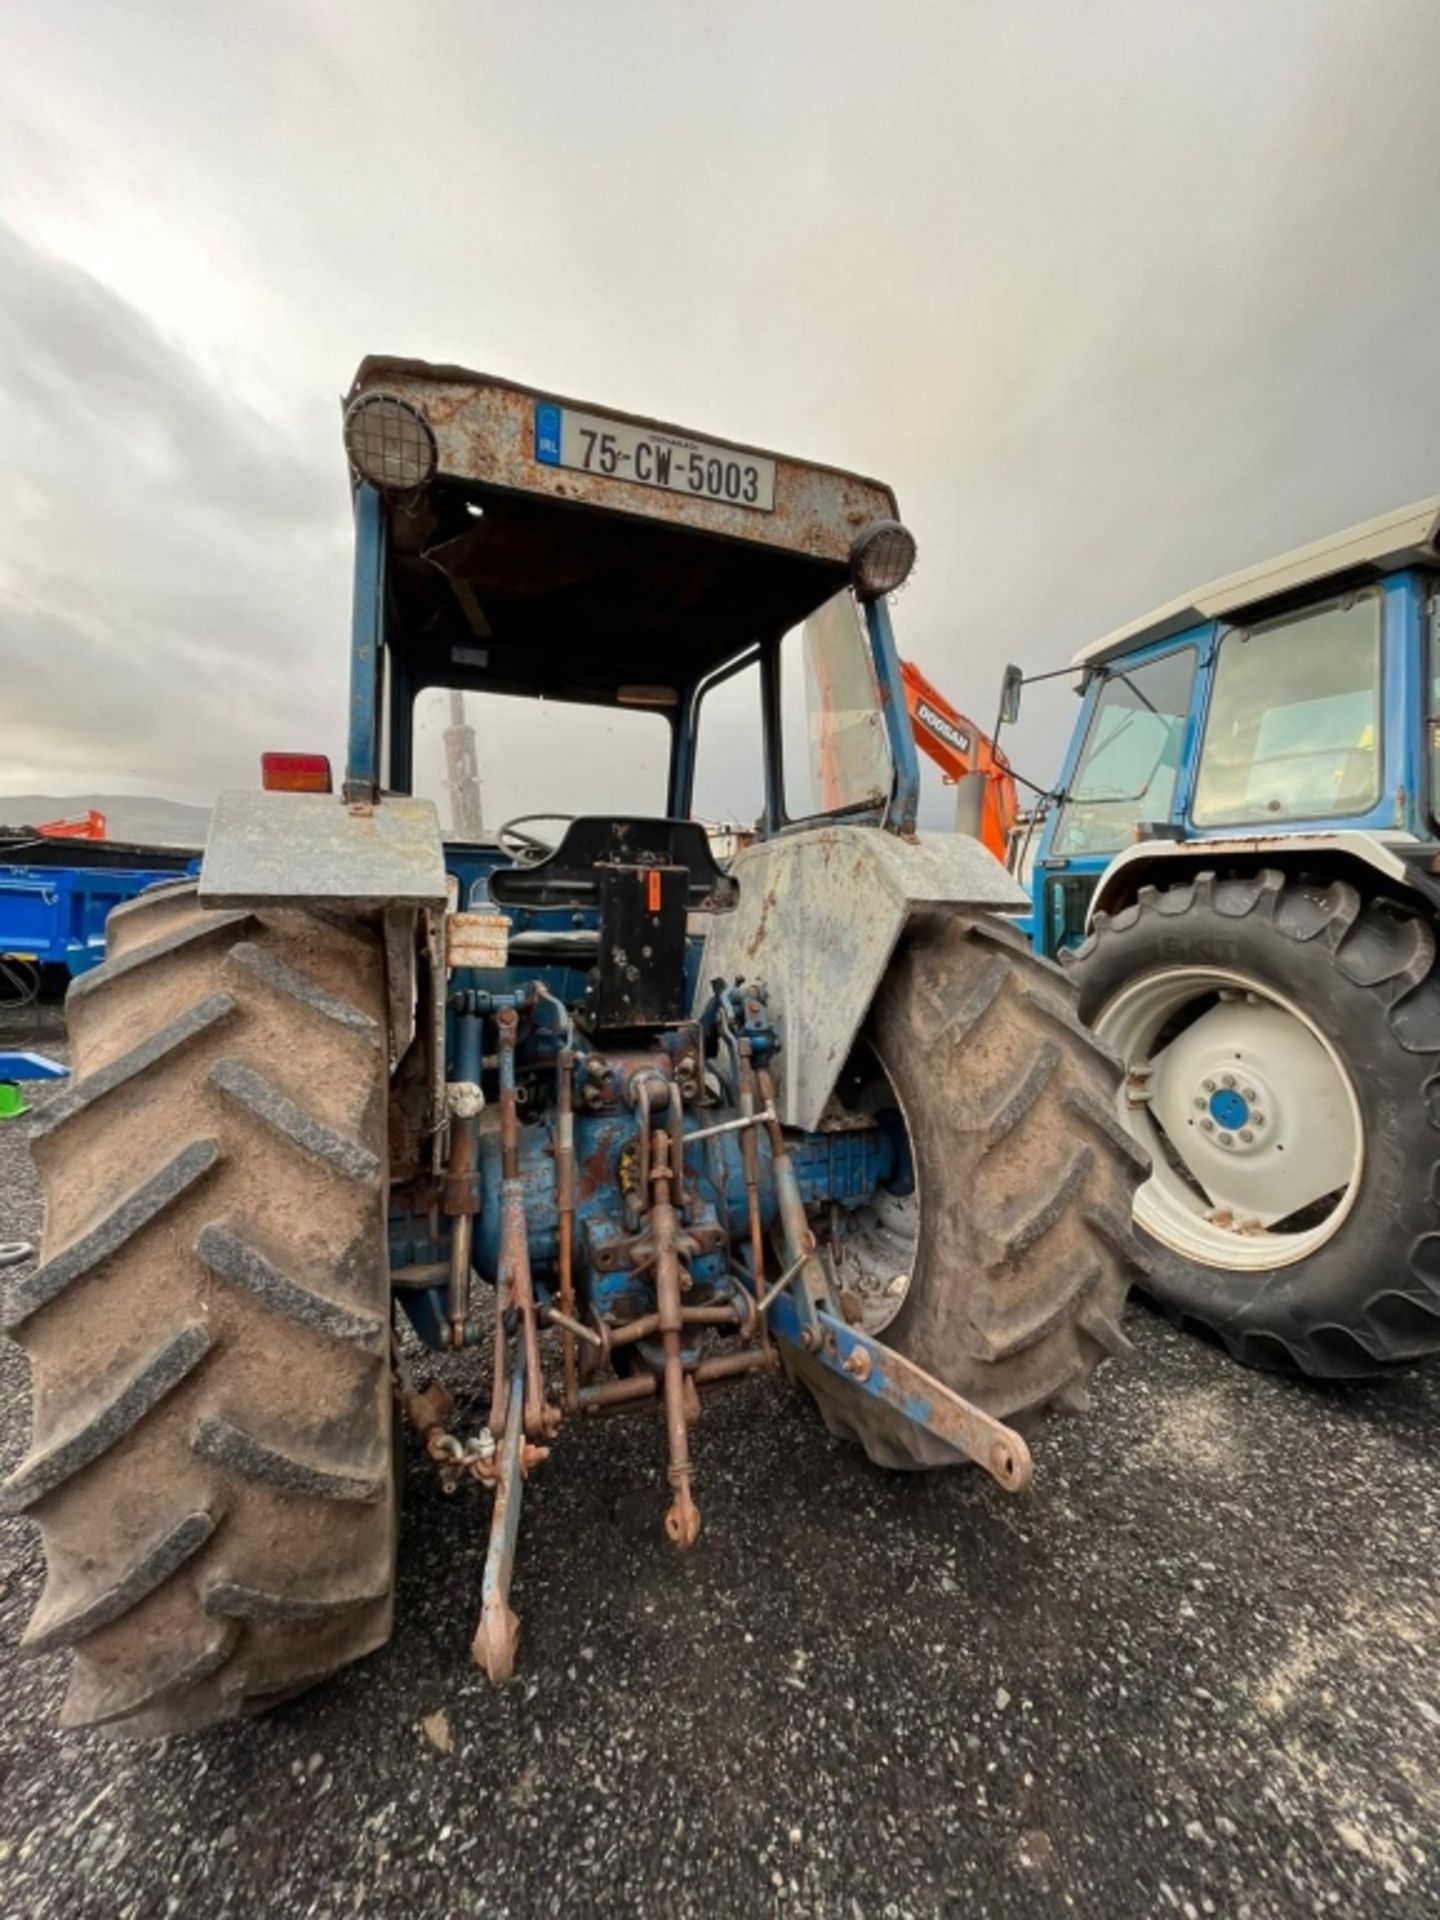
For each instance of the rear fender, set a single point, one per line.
(820, 913)
(1363, 857)
(310, 849)
(314, 851)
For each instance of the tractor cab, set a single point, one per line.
(584, 637)
(572, 588)
(1288, 701)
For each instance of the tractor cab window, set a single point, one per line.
(834, 744)
(485, 758)
(1131, 758)
(1294, 725)
(729, 791)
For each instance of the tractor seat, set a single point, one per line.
(568, 877)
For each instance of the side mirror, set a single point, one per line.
(1010, 686)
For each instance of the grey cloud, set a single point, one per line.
(167, 600)
(94, 372)
(1119, 296)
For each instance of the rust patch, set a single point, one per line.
(757, 939)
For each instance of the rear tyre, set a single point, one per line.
(208, 1331)
(1004, 1270)
(1282, 1035)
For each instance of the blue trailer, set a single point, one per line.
(56, 895)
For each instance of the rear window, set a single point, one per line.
(485, 758)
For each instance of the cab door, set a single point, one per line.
(1122, 780)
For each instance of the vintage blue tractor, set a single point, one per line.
(633, 1124)
(1243, 869)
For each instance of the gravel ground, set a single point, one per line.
(1190, 1674)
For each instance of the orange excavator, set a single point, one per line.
(987, 804)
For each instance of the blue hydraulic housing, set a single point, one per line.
(846, 1168)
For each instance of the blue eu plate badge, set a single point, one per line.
(547, 435)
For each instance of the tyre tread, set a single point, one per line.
(113, 1412)
(190, 1527)
(989, 1061)
(111, 1234)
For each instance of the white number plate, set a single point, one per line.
(615, 450)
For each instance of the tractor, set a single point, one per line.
(633, 1124)
(1243, 869)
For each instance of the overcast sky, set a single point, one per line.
(1118, 297)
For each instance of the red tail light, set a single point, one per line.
(296, 773)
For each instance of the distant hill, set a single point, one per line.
(129, 816)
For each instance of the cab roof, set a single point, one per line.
(523, 573)
(1406, 537)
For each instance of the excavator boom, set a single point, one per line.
(968, 759)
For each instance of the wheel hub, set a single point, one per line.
(1237, 1111)
(1229, 1109)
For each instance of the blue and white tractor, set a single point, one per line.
(1244, 871)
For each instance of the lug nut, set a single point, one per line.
(1227, 1139)
(1208, 1085)
(1207, 1126)
(1200, 1100)
(1229, 1079)
(1257, 1119)
(1246, 1135)
(1249, 1093)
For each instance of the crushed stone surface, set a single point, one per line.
(1193, 1673)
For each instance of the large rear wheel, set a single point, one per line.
(1281, 1039)
(208, 1331)
(1000, 1255)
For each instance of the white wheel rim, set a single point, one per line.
(1250, 1119)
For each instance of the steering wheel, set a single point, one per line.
(528, 849)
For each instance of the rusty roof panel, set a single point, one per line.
(485, 436)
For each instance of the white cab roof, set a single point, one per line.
(1409, 536)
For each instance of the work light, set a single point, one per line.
(389, 443)
(881, 558)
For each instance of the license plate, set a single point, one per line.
(615, 450)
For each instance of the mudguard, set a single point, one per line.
(1166, 862)
(819, 915)
(265, 849)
